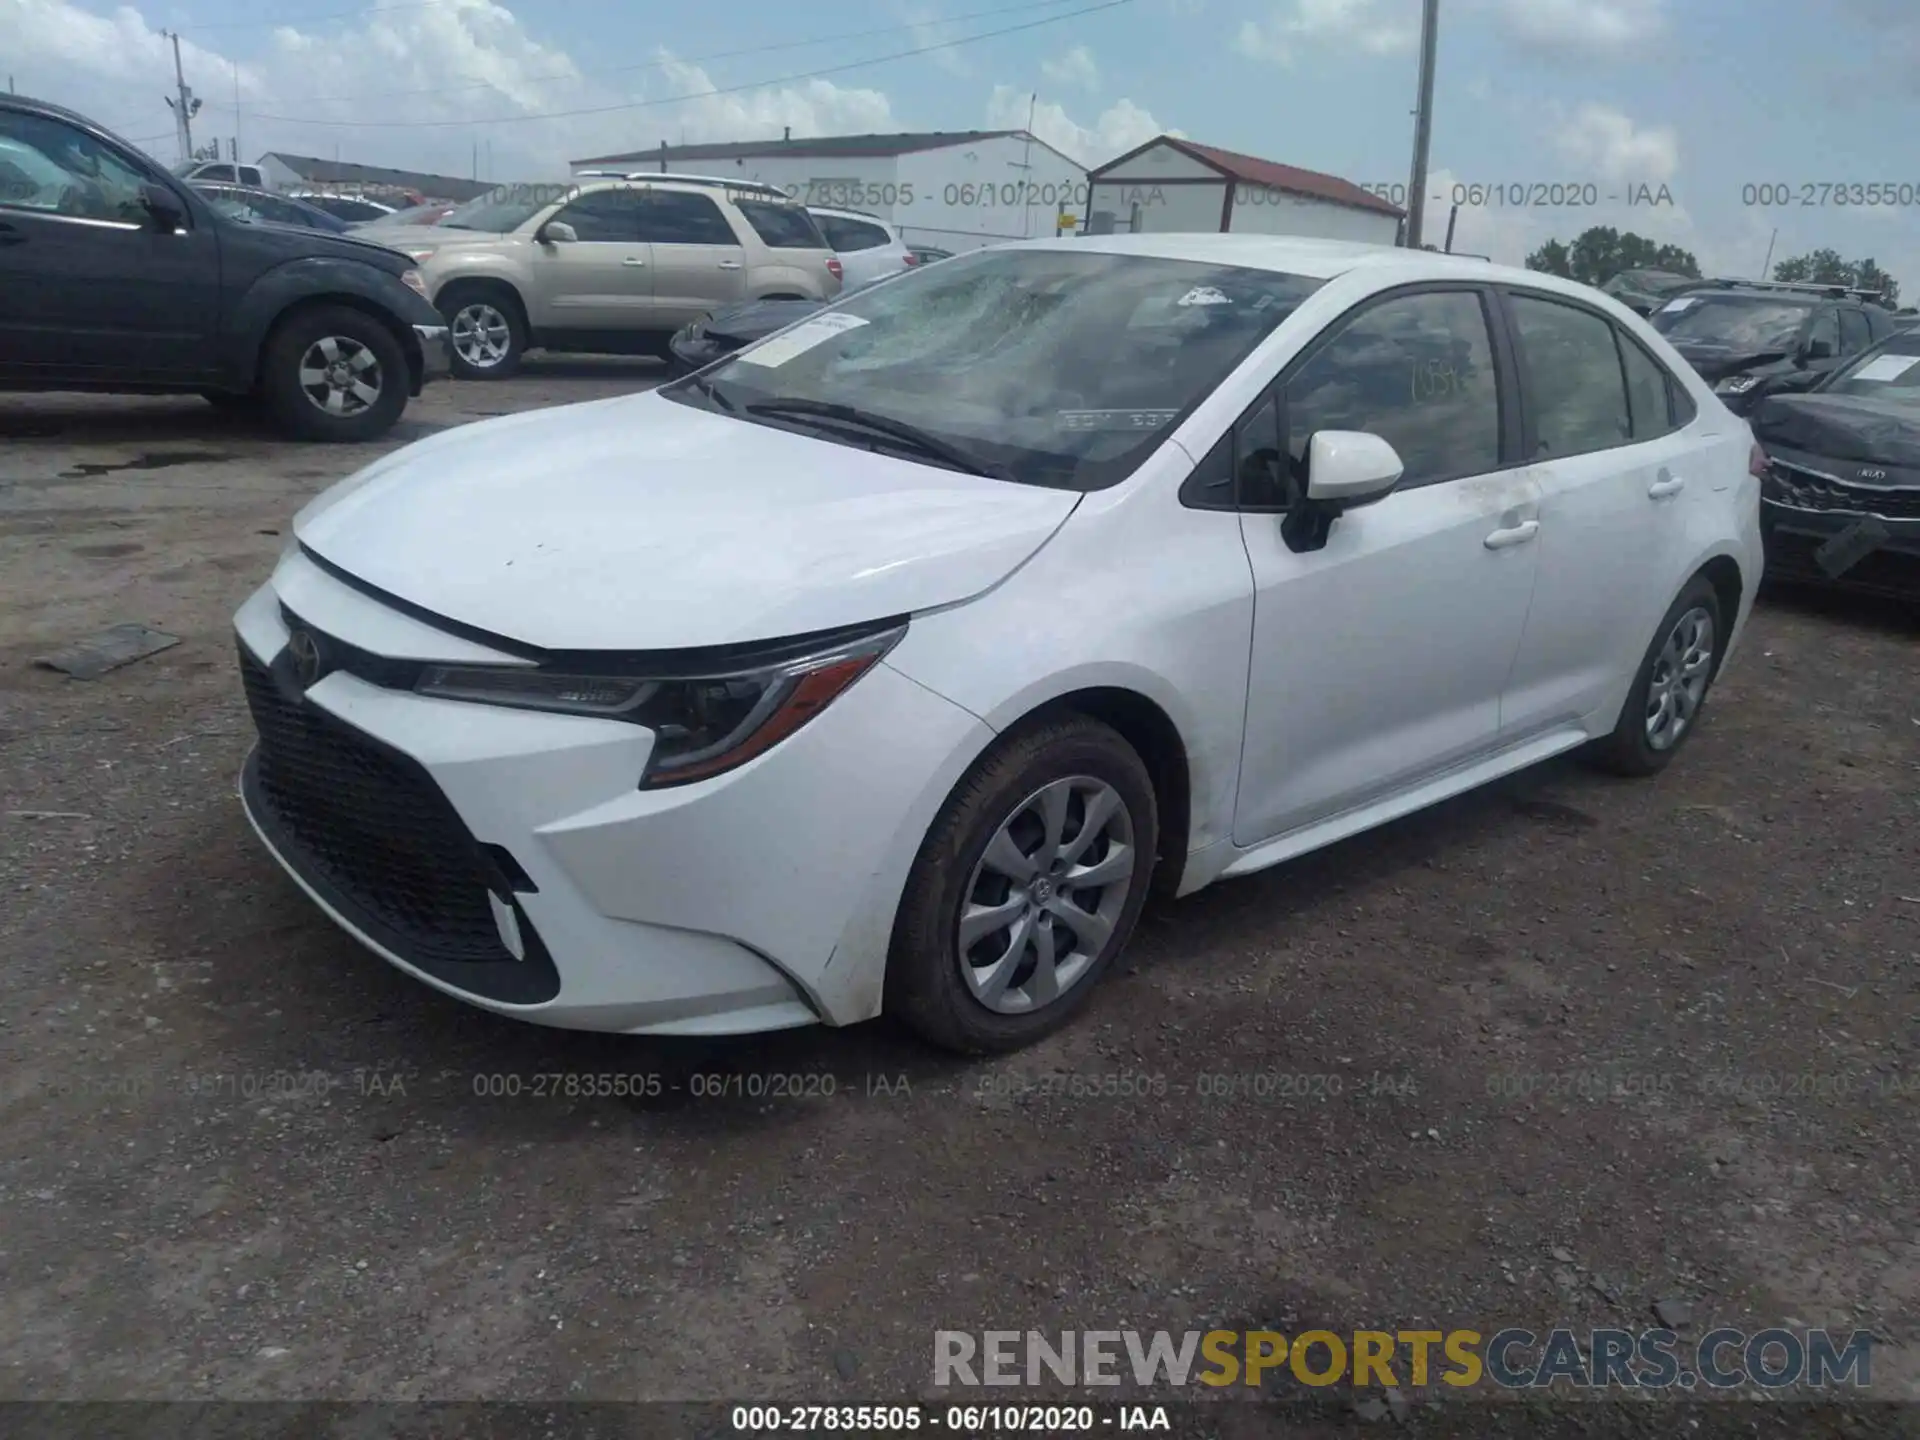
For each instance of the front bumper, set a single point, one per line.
(445, 836)
(436, 351)
(1793, 535)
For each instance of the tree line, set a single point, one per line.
(1597, 255)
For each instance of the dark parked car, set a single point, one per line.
(1754, 338)
(241, 202)
(726, 331)
(1840, 503)
(116, 276)
(1645, 291)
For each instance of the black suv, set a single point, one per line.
(1755, 338)
(116, 276)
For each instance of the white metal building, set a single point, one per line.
(957, 190)
(1170, 184)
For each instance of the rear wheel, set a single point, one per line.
(488, 336)
(1670, 689)
(1025, 889)
(332, 373)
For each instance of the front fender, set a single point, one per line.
(310, 278)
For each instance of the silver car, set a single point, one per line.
(609, 266)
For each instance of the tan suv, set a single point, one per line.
(609, 266)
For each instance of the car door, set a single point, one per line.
(1379, 660)
(863, 249)
(1614, 473)
(699, 264)
(90, 288)
(603, 279)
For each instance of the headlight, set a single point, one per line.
(1737, 384)
(415, 282)
(704, 721)
(420, 257)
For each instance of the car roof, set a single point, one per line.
(1315, 259)
(688, 184)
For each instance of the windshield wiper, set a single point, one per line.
(707, 388)
(911, 436)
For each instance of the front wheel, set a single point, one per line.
(1025, 889)
(335, 374)
(488, 337)
(1670, 688)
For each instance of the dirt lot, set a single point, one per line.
(1570, 1047)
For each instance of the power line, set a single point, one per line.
(663, 64)
(697, 95)
(315, 19)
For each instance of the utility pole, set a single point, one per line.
(1766, 264)
(185, 107)
(1422, 123)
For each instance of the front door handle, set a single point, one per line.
(729, 264)
(1666, 485)
(633, 260)
(1513, 535)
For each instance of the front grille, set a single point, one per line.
(375, 828)
(1809, 490)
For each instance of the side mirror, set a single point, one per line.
(1345, 469)
(557, 232)
(163, 206)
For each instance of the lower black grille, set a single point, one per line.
(1884, 572)
(1810, 491)
(368, 828)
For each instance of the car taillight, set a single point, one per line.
(833, 268)
(1757, 462)
(912, 259)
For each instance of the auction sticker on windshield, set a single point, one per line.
(816, 330)
(1674, 307)
(1885, 367)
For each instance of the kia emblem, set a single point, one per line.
(305, 653)
(1872, 474)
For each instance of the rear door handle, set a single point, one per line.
(633, 260)
(1514, 535)
(729, 264)
(1666, 485)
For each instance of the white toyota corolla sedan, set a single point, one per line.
(890, 663)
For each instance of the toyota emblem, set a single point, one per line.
(304, 650)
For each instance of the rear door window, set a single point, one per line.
(673, 217)
(1854, 334)
(1571, 373)
(784, 227)
(847, 236)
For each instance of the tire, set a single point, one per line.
(488, 324)
(1633, 749)
(927, 983)
(332, 355)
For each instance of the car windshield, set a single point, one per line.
(231, 205)
(495, 214)
(1054, 367)
(1732, 322)
(1890, 372)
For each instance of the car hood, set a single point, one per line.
(1855, 428)
(639, 523)
(1715, 362)
(301, 242)
(756, 319)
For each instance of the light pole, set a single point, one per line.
(1422, 123)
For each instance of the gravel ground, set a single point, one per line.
(1565, 1048)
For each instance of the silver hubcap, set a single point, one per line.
(481, 335)
(1044, 899)
(340, 376)
(1680, 679)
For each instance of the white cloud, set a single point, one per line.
(1376, 27)
(1580, 27)
(1075, 68)
(481, 65)
(1611, 149)
(1119, 128)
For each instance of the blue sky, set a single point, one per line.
(1705, 97)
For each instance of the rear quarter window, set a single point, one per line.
(783, 227)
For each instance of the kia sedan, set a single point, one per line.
(890, 663)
